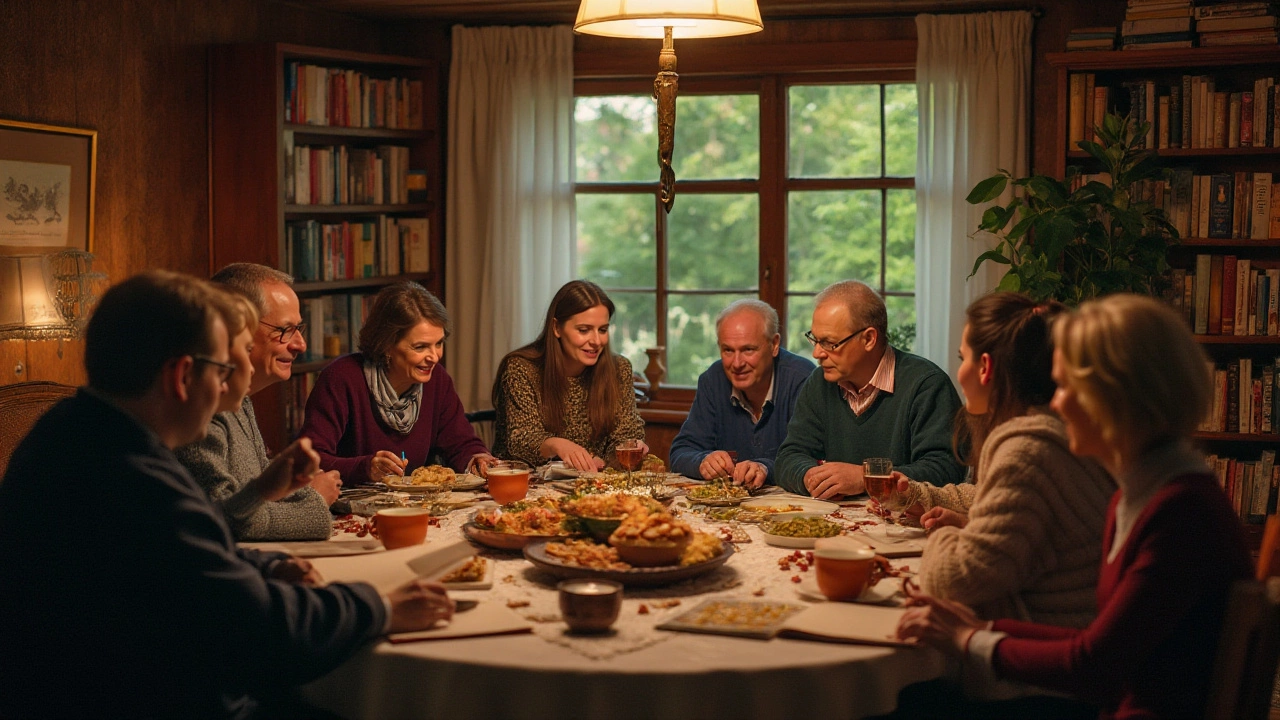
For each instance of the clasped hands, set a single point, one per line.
(944, 624)
(719, 464)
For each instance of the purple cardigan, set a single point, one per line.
(346, 431)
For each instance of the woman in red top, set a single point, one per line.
(1132, 387)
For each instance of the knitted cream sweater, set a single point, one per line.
(1033, 544)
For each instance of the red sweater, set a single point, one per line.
(346, 431)
(1161, 602)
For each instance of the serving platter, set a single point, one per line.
(501, 540)
(806, 505)
(536, 553)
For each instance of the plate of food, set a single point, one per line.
(775, 504)
(427, 479)
(600, 515)
(717, 493)
(761, 619)
(475, 574)
(512, 526)
(589, 559)
(799, 532)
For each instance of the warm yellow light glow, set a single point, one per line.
(686, 18)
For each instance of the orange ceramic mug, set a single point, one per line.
(508, 481)
(845, 568)
(402, 527)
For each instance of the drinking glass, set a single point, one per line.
(878, 475)
(630, 456)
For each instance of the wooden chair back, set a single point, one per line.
(21, 404)
(482, 421)
(1245, 669)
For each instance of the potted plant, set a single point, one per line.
(1073, 245)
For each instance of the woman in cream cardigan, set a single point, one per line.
(1024, 539)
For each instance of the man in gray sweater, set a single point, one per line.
(233, 454)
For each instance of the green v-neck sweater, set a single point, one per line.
(911, 426)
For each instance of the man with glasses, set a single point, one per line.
(132, 599)
(744, 400)
(233, 455)
(865, 400)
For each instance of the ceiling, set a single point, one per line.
(495, 11)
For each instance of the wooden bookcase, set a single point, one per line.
(249, 140)
(1233, 69)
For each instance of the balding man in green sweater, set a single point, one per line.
(865, 400)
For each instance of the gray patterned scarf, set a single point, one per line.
(398, 412)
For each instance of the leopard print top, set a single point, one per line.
(518, 429)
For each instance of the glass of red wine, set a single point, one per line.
(630, 456)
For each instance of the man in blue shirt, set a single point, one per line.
(744, 400)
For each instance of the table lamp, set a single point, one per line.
(667, 19)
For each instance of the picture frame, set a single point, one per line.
(47, 187)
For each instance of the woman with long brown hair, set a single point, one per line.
(1023, 540)
(565, 394)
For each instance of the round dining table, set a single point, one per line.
(637, 670)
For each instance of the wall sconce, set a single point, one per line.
(47, 297)
(667, 19)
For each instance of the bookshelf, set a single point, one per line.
(1233, 72)
(310, 153)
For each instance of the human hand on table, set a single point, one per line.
(573, 454)
(417, 605)
(833, 479)
(750, 474)
(296, 570)
(480, 464)
(385, 463)
(290, 471)
(938, 517)
(716, 464)
(944, 624)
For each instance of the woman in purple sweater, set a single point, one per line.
(388, 408)
(1132, 387)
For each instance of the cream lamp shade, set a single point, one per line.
(686, 18)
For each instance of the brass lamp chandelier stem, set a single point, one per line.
(664, 91)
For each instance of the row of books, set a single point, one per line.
(1243, 206)
(1195, 113)
(1153, 24)
(334, 323)
(374, 247)
(1243, 398)
(296, 391)
(341, 175)
(1251, 485)
(317, 95)
(1227, 295)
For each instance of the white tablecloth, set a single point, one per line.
(639, 672)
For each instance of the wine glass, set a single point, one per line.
(878, 475)
(630, 456)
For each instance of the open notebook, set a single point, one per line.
(388, 570)
(828, 621)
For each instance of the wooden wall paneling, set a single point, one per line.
(60, 361)
(13, 361)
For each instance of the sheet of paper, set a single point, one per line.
(318, 548)
(846, 622)
(487, 618)
(390, 569)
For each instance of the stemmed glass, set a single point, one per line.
(878, 475)
(630, 456)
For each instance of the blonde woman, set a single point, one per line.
(1132, 387)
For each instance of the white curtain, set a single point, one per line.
(510, 218)
(973, 78)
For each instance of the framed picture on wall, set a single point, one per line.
(46, 187)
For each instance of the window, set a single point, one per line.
(829, 195)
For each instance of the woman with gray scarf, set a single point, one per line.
(390, 407)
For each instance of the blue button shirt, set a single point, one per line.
(716, 422)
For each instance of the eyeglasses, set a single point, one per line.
(224, 369)
(285, 334)
(827, 344)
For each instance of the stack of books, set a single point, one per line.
(1237, 23)
(1152, 24)
(1092, 38)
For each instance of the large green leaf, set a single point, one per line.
(987, 190)
(993, 255)
(1010, 282)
